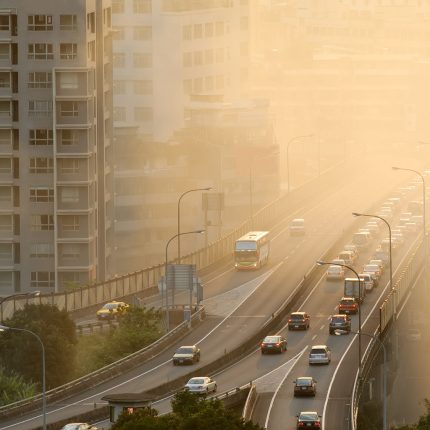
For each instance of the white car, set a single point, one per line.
(374, 270)
(201, 385)
(79, 426)
(335, 273)
(320, 354)
(367, 279)
(297, 227)
(380, 263)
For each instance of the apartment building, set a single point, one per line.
(168, 55)
(56, 207)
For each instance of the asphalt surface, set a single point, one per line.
(291, 258)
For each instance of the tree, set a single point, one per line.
(138, 327)
(20, 352)
(190, 412)
(13, 387)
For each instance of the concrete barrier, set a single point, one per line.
(250, 403)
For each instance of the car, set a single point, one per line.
(201, 385)
(347, 305)
(373, 227)
(79, 426)
(309, 420)
(186, 355)
(339, 322)
(361, 240)
(379, 263)
(415, 207)
(338, 261)
(372, 233)
(305, 386)
(348, 256)
(397, 240)
(417, 219)
(112, 310)
(299, 321)
(374, 271)
(385, 244)
(381, 254)
(411, 226)
(297, 227)
(351, 247)
(274, 343)
(367, 279)
(320, 354)
(335, 273)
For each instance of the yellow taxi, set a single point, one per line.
(112, 310)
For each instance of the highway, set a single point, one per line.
(267, 289)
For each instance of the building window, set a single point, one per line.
(209, 83)
(198, 58)
(209, 29)
(70, 251)
(39, 23)
(42, 222)
(4, 23)
(70, 195)
(142, 113)
(69, 81)
(41, 250)
(142, 60)
(68, 51)
(69, 137)
(119, 113)
(5, 251)
(41, 194)
(92, 50)
(142, 87)
(41, 165)
(118, 60)
(40, 51)
(142, 33)
(39, 108)
(40, 80)
(187, 59)
(42, 279)
(69, 108)
(142, 6)
(40, 137)
(198, 31)
(68, 22)
(69, 165)
(209, 56)
(6, 223)
(70, 222)
(219, 28)
(118, 6)
(187, 32)
(6, 194)
(5, 165)
(119, 87)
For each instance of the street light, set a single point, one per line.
(5, 328)
(179, 216)
(288, 155)
(321, 263)
(165, 275)
(12, 296)
(339, 332)
(389, 231)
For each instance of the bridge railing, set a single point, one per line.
(147, 279)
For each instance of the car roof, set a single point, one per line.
(298, 313)
(187, 346)
(348, 298)
(319, 346)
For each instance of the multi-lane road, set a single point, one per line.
(326, 218)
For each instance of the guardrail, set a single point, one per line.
(387, 312)
(147, 279)
(108, 372)
(99, 326)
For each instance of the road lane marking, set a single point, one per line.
(314, 337)
(322, 327)
(272, 401)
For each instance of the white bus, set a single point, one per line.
(252, 250)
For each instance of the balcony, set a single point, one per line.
(75, 199)
(74, 255)
(77, 171)
(79, 113)
(73, 84)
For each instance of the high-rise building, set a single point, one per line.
(171, 59)
(55, 144)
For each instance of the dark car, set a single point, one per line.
(273, 344)
(339, 322)
(299, 321)
(186, 355)
(308, 420)
(348, 305)
(305, 386)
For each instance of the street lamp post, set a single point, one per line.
(165, 275)
(13, 296)
(5, 328)
(288, 155)
(321, 263)
(384, 377)
(389, 231)
(179, 216)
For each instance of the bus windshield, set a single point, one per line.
(246, 245)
